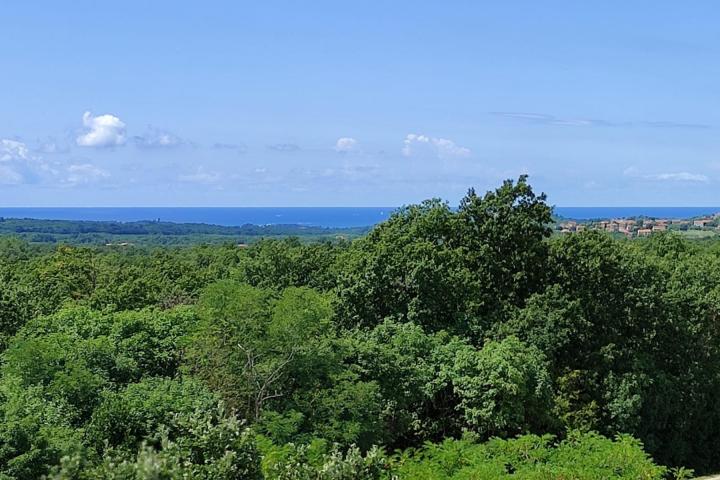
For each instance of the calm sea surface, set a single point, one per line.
(317, 216)
(231, 216)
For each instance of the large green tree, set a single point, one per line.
(444, 269)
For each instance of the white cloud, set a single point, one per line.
(682, 177)
(102, 131)
(440, 147)
(155, 138)
(633, 172)
(84, 173)
(18, 165)
(11, 150)
(16, 162)
(345, 145)
(200, 176)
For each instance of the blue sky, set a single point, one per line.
(357, 103)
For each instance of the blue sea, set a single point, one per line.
(314, 216)
(337, 217)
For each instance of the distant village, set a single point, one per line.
(642, 226)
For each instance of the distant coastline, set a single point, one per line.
(328, 217)
(600, 213)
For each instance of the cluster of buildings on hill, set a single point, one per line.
(640, 227)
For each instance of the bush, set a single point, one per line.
(208, 450)
(582, 456)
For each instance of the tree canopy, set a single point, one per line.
(465, 342)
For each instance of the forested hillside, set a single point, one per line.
(448, 343)
(160, 233)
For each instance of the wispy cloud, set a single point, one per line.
(689, 177)
(20, 164)
(17, 163)
(238, 147)
(415, 144)
(546, 119)
(102, 131)
(10, 176)
(11, 150)
(343, 175)
(284, 147)
(156, 138)
(681, 177)
(668, 124)
(84, 173)
(200, 176)
(51, 146)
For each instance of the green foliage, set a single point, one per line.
(119, 347)
(503, 235)
(406, 363)
(319, 461)
(279, 353)
(58, 369)
(15, 311)
(439, 335)
(34, 433)
(287, 263)
(210, 447)
(553, 322)
(447, 270)
(581, 456)
(147, 409)
(503, 388)
(406, 268)
(435, 385)
(242, 349)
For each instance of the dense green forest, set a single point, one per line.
(161, 233)
(447, 343)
